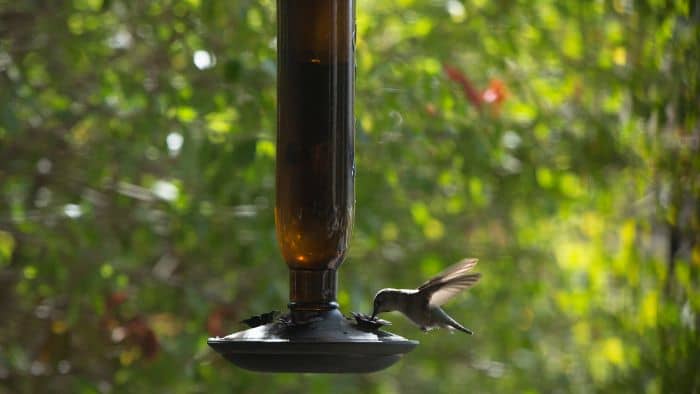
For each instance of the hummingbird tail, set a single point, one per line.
(446, 321)
(459, 327)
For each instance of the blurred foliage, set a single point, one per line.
(555, 140)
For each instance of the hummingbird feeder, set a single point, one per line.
(314, 204)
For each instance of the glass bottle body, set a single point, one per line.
(315, 143)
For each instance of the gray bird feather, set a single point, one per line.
(422, 305)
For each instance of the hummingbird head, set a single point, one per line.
(384, 301)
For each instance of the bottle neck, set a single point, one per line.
(312, 290)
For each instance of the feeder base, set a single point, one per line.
(326, 343)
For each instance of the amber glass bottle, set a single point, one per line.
(315, 144)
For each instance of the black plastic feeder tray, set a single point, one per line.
(325, 342)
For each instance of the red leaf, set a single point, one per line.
(215, 322)
(115, 299)
(141, 333)
(496, 92)
(470, 91)
(495, 95)
(149, 345)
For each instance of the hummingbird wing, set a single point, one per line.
(442, 287)
(454, 271)
(446, 291)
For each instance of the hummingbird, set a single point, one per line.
(422, 305)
